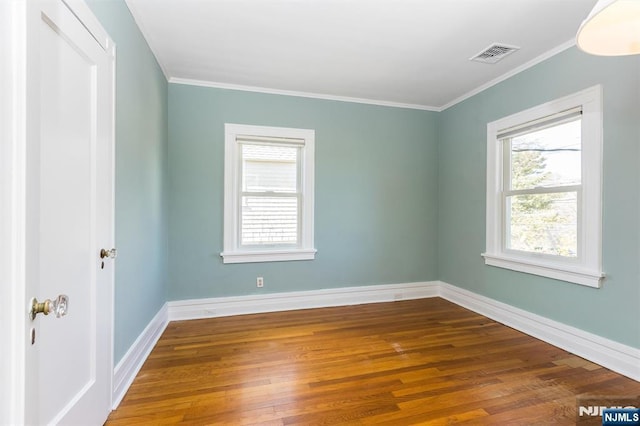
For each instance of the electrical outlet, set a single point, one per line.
(259, 282)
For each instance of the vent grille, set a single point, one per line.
(494, 53)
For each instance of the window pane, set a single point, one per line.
(544, 223)
(269, 168)
(547, 158)
(269, 220)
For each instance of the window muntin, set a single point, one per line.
(268, 194)
(544, 211)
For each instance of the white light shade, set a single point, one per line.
(611, 29)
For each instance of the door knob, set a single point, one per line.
(58, 306)
(111, 253)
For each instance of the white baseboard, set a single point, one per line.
(612, 355)
(615, 356)
(131, 362)
(253, 304)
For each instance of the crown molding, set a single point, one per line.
(295, 93)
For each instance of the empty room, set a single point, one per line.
(307, 212)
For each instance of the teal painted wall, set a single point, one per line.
(141, 177)
(612, 311)
(375, 193)
(400, 194)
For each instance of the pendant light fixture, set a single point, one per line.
(611, 29)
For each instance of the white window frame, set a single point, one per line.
(586, 269)
(233, 251)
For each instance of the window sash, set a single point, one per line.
(506, 221)
(507, 167)
(275, 142)
(543, 190)
(504, 138)
(241, 229)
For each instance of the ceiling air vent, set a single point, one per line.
(494, 53)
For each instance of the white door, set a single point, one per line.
(69, 216)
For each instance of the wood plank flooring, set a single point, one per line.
(423, 361)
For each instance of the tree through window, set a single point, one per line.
(544, 183)
(542, 192)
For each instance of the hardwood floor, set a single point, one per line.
(423, 361)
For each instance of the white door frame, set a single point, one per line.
(12, 209)
(13, 140)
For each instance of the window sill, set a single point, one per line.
(268, 256)
(556, 271)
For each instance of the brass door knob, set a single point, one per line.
(58, 307)
(110, 253)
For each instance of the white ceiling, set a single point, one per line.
(392, 52)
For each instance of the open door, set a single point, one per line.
(63, 185)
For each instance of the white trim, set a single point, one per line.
(587, 268)
(13, 86)
(268, 256)
(277, 302)
(304, 250)
(128, 367)
(256, 89)
(615, 356)
(550, 270)
(535, 61)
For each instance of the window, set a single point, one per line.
(544, 202)
(268, 194)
